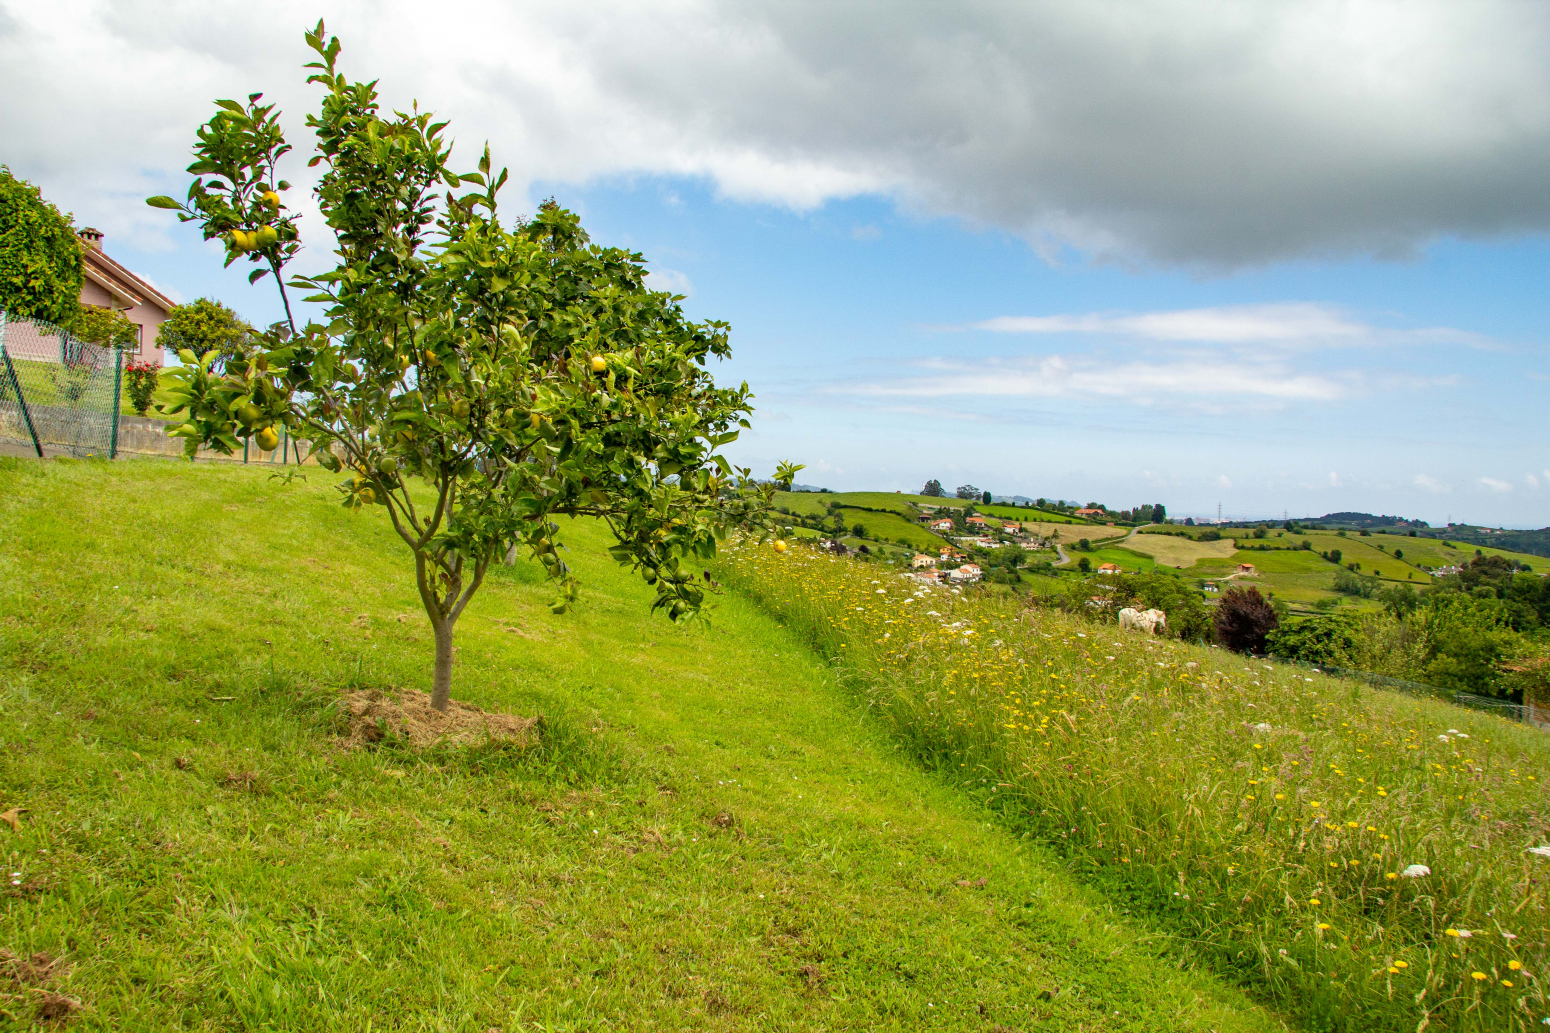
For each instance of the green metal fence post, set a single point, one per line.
(118, 398)
(16, 385)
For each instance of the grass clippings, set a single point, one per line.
(373, 715)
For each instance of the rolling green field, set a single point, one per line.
(1303, 576)
(713, 833)
(1131, 562)
(814, 503)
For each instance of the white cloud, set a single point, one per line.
(1285, 323)
(868, 232)
(1531, 480)
(1496, 485)
(1230, 324)
(1224, 481)
(1334, 479)
(670, 280)
(1181, 133)
(1056, 376)
(1431, 484)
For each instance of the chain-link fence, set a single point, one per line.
(58, 395)
(1500, 707)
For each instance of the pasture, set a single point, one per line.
(1170, 551)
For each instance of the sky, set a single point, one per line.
(1277, 258)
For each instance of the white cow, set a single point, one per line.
(1153, 622)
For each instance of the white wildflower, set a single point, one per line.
(1416, 871)
(1542, 851)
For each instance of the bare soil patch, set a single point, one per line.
(373, 715)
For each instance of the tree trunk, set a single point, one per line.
(441, 684)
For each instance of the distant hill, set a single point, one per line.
(807, 487)
(1367, 520)
(1535, 543)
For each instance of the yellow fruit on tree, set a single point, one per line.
(533, 420)
(599, 364)
(268, 439)
(270, 197)
(267, 236)
(780, 546)
(367, 496)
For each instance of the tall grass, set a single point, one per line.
(1267, 818)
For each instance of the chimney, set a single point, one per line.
(92, 238)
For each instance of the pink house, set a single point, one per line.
(107, 284)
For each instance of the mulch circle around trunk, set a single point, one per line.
(374, 715)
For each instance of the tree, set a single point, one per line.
(205, 325)
(520, 373)
(968, 491)
(40, 255)
(1243, 619)
(859, 530)
(933, 489)
(1159, 513)
(1084, 564)
(107, 327)
(985, 498)
(1084, 545)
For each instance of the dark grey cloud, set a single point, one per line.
(1207, 135)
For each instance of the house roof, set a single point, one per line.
(124, 286)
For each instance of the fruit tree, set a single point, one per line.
(474, 380)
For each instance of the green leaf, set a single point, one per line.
(163, 201)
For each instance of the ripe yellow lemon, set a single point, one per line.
(268, 439)
(267, 236)
(780, 546)
(367, 496)
(599, 364)
(270, 197)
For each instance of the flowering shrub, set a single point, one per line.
(140, 380)
(1372, 862)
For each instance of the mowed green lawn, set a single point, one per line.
(713, 835)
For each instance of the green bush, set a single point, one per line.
(1323, 640)
(40, 255)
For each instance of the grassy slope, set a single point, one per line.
(582, 885)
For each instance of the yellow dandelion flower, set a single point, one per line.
(1507, 983)
(1401, 964)
(1315, 902)
(1450, 932)
(1323, 926)
(1514, 964)
(1393, 971)
(1478, 976)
